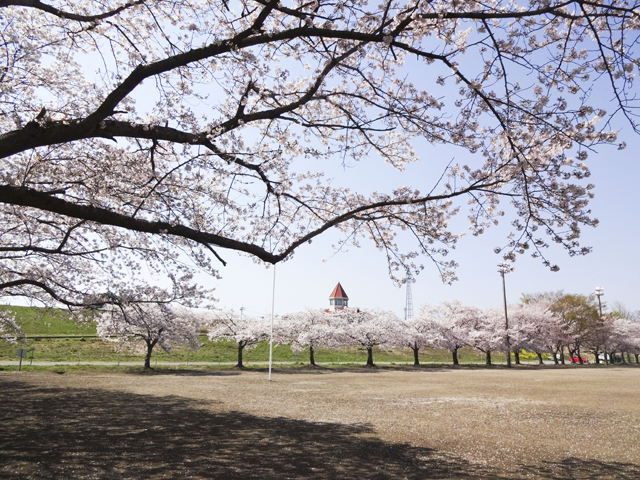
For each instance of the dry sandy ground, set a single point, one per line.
(382, 423)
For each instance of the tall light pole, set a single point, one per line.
(503, 267)
(273, 309)
(599, 293)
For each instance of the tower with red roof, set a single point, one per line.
(338, 298)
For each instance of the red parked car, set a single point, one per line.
(577, 360)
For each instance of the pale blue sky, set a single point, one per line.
(307, 280)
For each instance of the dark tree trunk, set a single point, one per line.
(240, 349)
(562, 357)
(454, 354)
(416, 358)
(516, 355)
(370, 357)
(487, 357)
(597, 357)
(579, 356)
(606, 358)
(555, 358)
(572, 355)
(636, 355)
(623, 359)
(540, 361)
(628, 358)
(147, 358)
(312, 359)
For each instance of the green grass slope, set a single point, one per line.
(48, 321)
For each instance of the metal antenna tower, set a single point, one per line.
(408, 309)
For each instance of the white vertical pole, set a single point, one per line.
(506, 318)
(273, 306)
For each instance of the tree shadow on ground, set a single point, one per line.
(576, 468)
(49, 433)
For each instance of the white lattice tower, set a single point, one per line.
(408, 309)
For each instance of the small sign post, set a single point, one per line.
(21, 352)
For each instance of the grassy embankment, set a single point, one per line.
(38, 322)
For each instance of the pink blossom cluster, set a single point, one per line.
(143, 138)
(532, 327)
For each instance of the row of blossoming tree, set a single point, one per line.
(541, 326)
(550, 324)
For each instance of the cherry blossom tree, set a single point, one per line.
(625, 330)
(367, 329)
(559, 336)
(454, 323)
(489, 334)
(312, 329)
(598, 339)
(244, 330)
(416, 333)
(578, 314)
(518, 332)
(152, 323)
(10, 331)
(633, 346)
(625, 337)
(532, 326)
(135, 131)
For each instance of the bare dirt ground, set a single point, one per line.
(561, 423)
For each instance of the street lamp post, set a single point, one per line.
(599, 293)
(503, 267)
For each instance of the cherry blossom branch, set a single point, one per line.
(32, 198)
(53, 293)
(36, 4)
